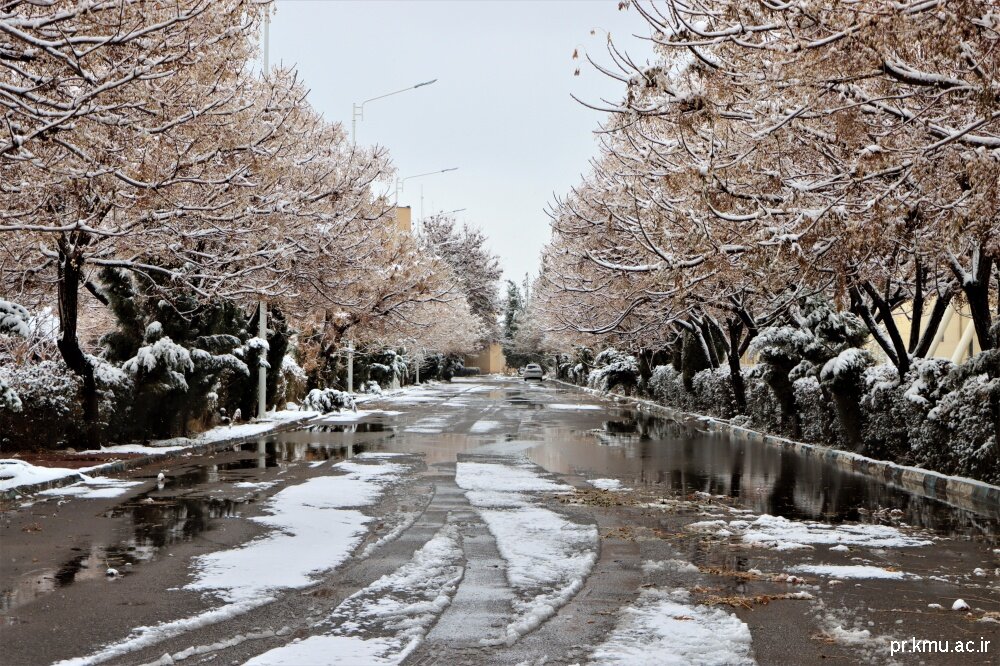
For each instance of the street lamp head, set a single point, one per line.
(425, 83)
(449, 169)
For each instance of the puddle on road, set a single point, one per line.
(642, 450)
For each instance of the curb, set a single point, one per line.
(119, 466)
(959, 491)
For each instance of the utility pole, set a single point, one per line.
(262, 323)
(350, 366)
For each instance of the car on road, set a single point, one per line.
(533, 371)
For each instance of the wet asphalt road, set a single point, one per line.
(56, 601)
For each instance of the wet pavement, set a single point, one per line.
(686, 510)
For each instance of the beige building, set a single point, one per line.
(956, 338)
(489, 360)
(404, 220)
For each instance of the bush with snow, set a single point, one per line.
(49, 397)
(328, 400)
(14, 319)
(614, 369)
(292, 380)
(371, 387)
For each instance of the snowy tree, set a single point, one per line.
(473, 265)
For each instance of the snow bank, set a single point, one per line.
(573, 407)
(15, 473)
(403, 604)
(663, 629)
(314, 531)
(548, 556)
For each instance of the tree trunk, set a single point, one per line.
(735, 371)
(70, 279)
(977, 293)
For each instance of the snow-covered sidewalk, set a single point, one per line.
(19, 476)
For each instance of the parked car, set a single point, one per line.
(533, 371)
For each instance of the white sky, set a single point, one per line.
(500, 111)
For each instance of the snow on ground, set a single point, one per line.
(429, 425)
(669, 566)
(504, 478)
(573, 406)
(314, 530)
(850, 571)
(480, 427)
(132, 448)
(779, 533)
(403, 604)
(354, 417)
(15, 473)
(606, 484)
(256, 485)
(94, 488)
(143, 637)
(547, 555)
(664, 629)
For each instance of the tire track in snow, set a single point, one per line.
(548, 556)
(384, 622)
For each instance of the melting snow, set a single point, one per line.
(572, 406)
(850, 571)
(779, 533)
(483, 426)
(15, 473)
(606, 484)
(404, 603)
(313, 531)
(662, 629)
(547, 555)
(94, 488)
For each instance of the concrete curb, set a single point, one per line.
(959, 491)
(119, 466)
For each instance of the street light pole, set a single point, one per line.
(358, 110)
(262, 319)
(401, 182)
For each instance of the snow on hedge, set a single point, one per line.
(329, 400)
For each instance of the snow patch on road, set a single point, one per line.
(607, 484)
(15, 473)
(314, 531)
(663, 628)
(668, 566)
(405, 603)
(548, 556)
(143, 637)
(480, 427)
(97, 487)
(777, 533)
(516, 477)
(850, 571)
(354, 417)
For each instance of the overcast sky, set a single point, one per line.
(500, 111)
